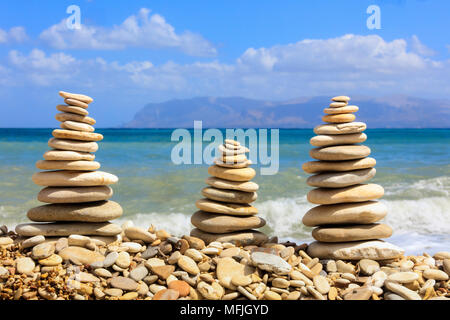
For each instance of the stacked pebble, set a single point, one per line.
(225, 213)
(77, 194)
(347, 214)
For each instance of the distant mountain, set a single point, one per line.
(235, 112)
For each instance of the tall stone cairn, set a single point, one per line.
(225, 213)
(75, 192)
(347, 219)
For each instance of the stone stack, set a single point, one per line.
(75, 192)
(348, 213)
(225, 213)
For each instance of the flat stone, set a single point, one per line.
(441, 255)
(339, 153)
(113, 292)
(338, 104)
(352, 233)
(223, 150)
(150, 252)
(74, 194)
(235, 165)
(76, 135)
(67, 165)
(435, 274)
(33, 241)
(270, 262)
(4, 241)
(123, 283)
(51, 261)
(25, 265)
(66, 229)
(136, 233)
(181, 286)
(76, 96)
(188, 265)
(337, 139)
(446, 265)
(73, 145)
(369, 267)
(123, 260)
(345, 99)
(213, 291)
(163, 272)
(235, 158)
(220, 223)
(339, 118)
(243, 174)
(341, 179)
(357, 193)
(340, 128)
(65, 116)
(339, 166)
(166, 294)
(74, 102)
(103, 273)
(232, 185)
(228, 269)
(244, 238)
(100, 211)
(345, 213)
(78, 126)
(64, 155)
(402, 291)
(232, 196)
(138, 273)
(110, 259)
(321, 284)
(83, 255)
(362, 293)
(43, 250)
(403, 277)
(226, 208)
(72, 109)
(73, 178)
(341, 109)
(357, 250)
(194, 242)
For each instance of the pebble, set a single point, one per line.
(270, 262)
(213, 291)
(435, 275)
(51, 261)
(166, 294)
(446, 265)
(403, 277)
(132, 247)
(369, 267)
(321, 284)
(163, 271)
(114, 292)
(150, 252)
(43, 250)
(123, 260)
(270, 295)
(402, 291)
(280, 283)
(363, 293)
(316, 294)
(78, 240)
(188, 265)
(124, 283)
(110, 259)
(25, 265)
(102, 272)
(136, 233)
(194, 254)
(33, 241)
(138, 273)
(181, 286)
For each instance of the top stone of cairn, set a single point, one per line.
(76, 96)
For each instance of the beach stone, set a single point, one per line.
(78, 126)
(220, 223)
(345, 99)
(335, 140)
(339, 118)
(65, 116)
(403, 277)
(181, 286)
(72, 109)
(345, 213)
(67, 165)
(85, 212)
(357, 193)
(123, 283)
(3, 272)
(441, 255)
(123, 260)
(244, 238)
(223, 150)
(113, 292)
(33, 241)
(338, 104)
(236, 158)
(73, 178)
(341, 109)
(232, 165)
(339, 153)
(435, 274)
(166, 294)
(4, 241)
(339, 166)
(61, 243)
(362, 293)
(213, 291)
(65, 155)
(247, 186)
(42, 250)
(446, 266)
(66, 229)
(51, 261)
(228, 269)
(83, 255)
(369, 267)
(233, 196)
(321, 284)
(352, 233)
(129, 296)
(25, 265)
(138, 273)
(76, 96)
(102, 272)
(74, 194)
(163, 272)
(188, 265)
(76, 135)
(196, 255)
(357, 250)
(341, 179)
(110, 259)
(226, 208)
(402, 291)
(194, 242)
(150, 252)
(243, 174)
(136, 233)
(340, 128)
(132, 247)
(270, 262)
(73, 145)
(74, 102)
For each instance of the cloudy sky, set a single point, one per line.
(129, 53)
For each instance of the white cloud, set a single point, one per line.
(15, 34)
(418, 47)
(140, 31)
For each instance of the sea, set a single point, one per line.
(413, 166)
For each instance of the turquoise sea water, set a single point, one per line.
(413, 165)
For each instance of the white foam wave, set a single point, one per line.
(175, 223)
(439, 186)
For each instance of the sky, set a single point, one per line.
(129, 53)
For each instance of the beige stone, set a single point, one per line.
(402, 291)
(341, 99)
(76, 96)
(213, 291)
(25, 265)
(74, 194)
(248, 237)
(136, 233)
(63, 155)
(346, 213)
(341, 109)
(321, 284)
(237, 158)
(238, 165)
(188, 265)
(66, 116)
(339, 153)
(244, 174)
(340, 128)
(341, 179)
(78, 126)
(74, 102)
(357, 193)
(233, 196)
(237, 209)
(73, 145)
(66, 229)
(228, 270)
(72, 109)
(223, 150)
(73, 178)
(352, 233)
(403, 277)
(220, 223)
(76, 135)
(338, 166)
(67, 165)
(337, 139)
(435, 274)
(232, 185)
(339, 118)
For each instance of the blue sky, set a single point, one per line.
(129, 53)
